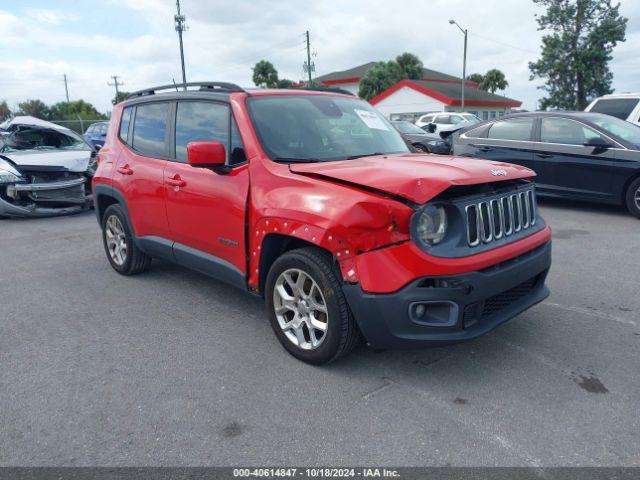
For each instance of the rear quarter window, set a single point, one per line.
(124, 125)
(616, 107)
(515, 129)
(150, 129)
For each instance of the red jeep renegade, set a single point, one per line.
(312, 200)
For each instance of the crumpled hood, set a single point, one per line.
(415, 177)
(71, 160)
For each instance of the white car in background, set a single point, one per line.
(446, 121)
(625, 106)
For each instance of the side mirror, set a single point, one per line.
(431, 127)
(206, 154)
(598, 143)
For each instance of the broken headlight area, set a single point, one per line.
(8, 174)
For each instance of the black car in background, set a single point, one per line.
(420, 140)
(584, 156)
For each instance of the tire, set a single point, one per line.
(130, 261)
(633, 198)
(340, 334)
(421, 148)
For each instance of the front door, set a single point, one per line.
(567, 167)
(206, 209)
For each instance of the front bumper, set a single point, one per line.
(456, 307)
(65, 196)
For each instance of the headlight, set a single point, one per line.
(430, 225)
(8, 174)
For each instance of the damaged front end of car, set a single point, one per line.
(44, 172)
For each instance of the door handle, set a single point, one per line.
(485, 149)
(544, 155)
(126, 170)
(176, 181)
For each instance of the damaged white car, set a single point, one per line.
(45, 169)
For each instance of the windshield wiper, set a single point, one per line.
(353, 157)
(296, 160)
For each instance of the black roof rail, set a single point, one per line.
(328, 89)
(223, 87)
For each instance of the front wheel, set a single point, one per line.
(420, 148)
(633, 197)
(123, 254)
(307, 308)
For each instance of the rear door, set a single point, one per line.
(140, 168)
(207, 209)
(506, 141)
(567, 167)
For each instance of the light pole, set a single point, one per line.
(464, 61)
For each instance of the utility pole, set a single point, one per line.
(181, 27)
(115, 84)
(66, 88)
(308, 66)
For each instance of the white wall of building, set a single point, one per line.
(407, 100)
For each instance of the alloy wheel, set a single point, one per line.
(116, 240)
(300, 309)
(636, 198)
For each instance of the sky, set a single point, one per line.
(89, 41)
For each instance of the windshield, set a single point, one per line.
(621, 128)
(41, 139)
(321, 128)
(617, 107)
(408, 127)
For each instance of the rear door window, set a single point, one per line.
(616, 107)
(150, 129)
(443, 119)
(513, 129)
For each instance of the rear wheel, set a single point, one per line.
(633, 197)
(307, 309)
(123, 254)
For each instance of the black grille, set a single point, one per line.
(493, 305)
(71, 194)
(501, 300)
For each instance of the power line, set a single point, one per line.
(502, 43)
(181, 27)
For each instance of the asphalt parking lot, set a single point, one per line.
(171, 368)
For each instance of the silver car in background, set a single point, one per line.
(45, 169)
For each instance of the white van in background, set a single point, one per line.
(625, 106)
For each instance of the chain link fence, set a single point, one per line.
(80, 126)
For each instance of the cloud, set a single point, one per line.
(136, 40)
(51, 17)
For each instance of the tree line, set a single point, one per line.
(61, 111)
